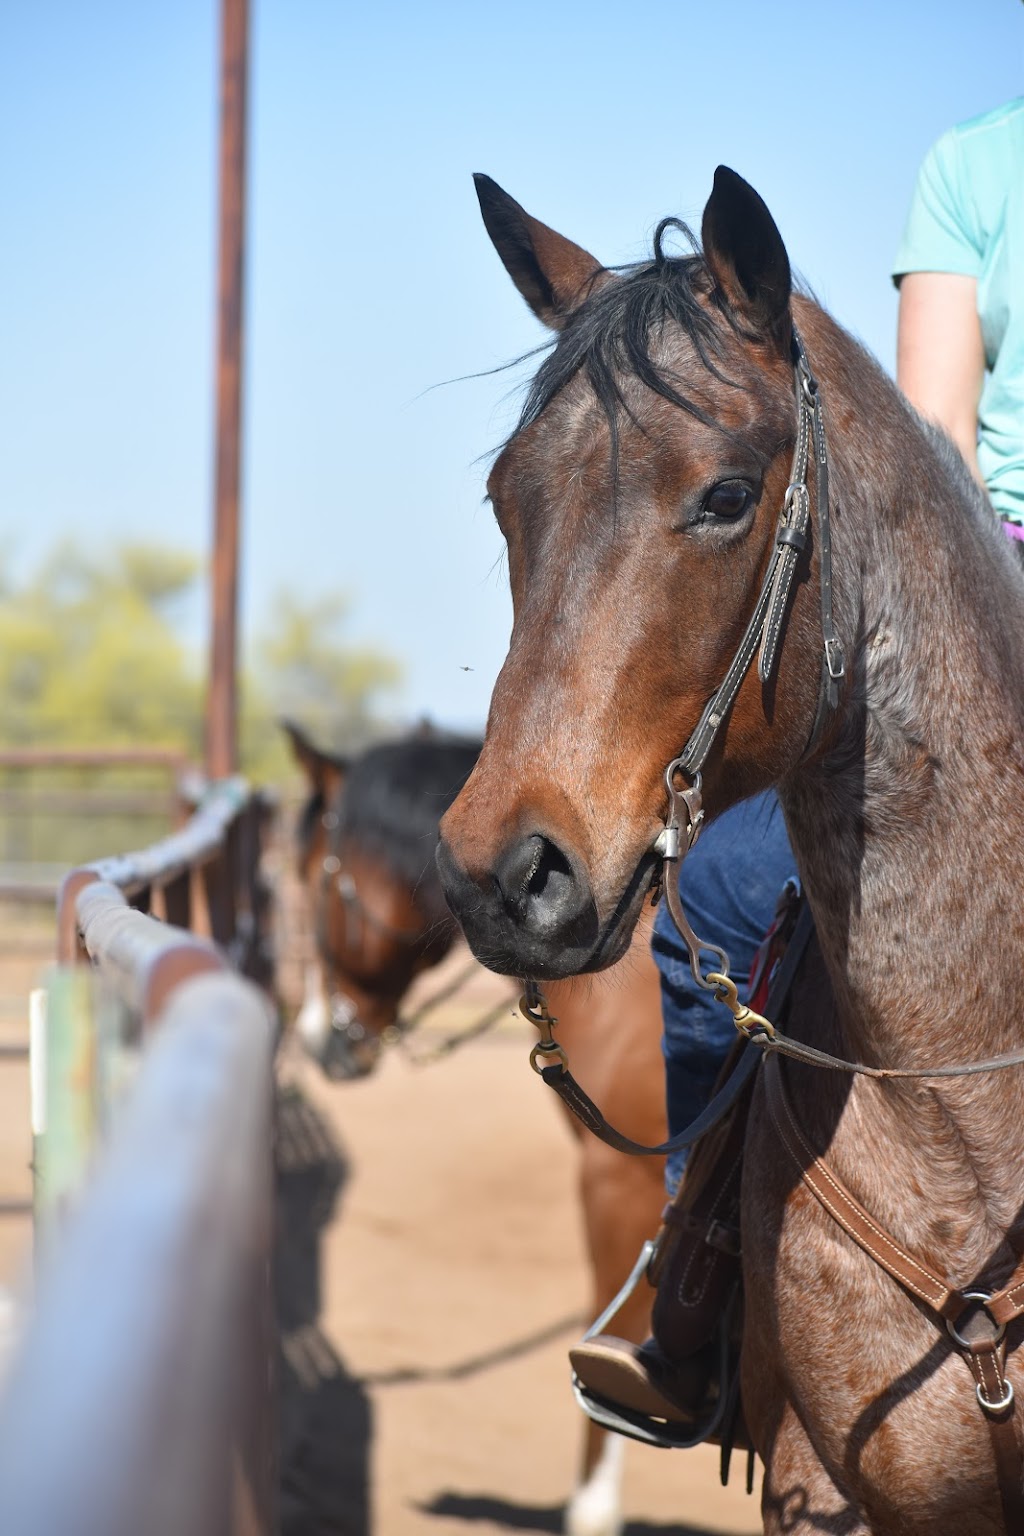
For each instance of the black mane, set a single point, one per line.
(609, 338)
(391, 806)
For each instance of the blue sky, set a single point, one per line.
(370, 277)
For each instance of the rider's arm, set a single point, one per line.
(940, 356)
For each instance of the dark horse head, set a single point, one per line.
(367, 839)
(639, 497)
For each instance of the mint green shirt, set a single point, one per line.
(967, 216)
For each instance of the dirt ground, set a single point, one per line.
(452, 1280)
(432, 1277)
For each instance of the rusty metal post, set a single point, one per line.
(221, 701)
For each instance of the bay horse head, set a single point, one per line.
(640, 499)
(366, 841)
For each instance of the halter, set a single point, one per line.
(343, 1011)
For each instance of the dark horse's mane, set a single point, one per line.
(609, 337)
(392, 802)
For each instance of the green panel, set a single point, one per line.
(65, 1138)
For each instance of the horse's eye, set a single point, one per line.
(728, 500)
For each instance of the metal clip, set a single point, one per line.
(533, 1006)
(983, 1298)
(666, 844)
(803, 366)
(795, 489)
(746, 1020)
(808, 383)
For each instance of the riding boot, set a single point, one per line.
(676, 1376)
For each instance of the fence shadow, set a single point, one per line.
(325, 1415)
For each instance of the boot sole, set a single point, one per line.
(620, 1373)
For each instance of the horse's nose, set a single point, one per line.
(540, 889)
(527, 910)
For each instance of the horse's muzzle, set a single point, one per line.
(532, 914)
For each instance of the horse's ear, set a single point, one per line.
(746, 256)
(326, 774)
(553, 275)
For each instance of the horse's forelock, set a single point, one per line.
(614, 337)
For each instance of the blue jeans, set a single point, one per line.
(730, 884)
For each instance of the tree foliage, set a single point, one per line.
(91, 653)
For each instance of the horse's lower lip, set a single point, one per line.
(519, 954)
(616, 937)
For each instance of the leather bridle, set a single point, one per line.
(350, 1037)
(358, 916)
(761, 636)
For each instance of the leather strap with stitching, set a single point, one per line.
(984, 1351)
(765, 625)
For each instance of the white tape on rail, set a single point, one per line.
(37, 1058)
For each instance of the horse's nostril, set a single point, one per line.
(533, 865)
(551, 873)
(537, 883)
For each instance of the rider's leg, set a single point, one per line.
(730, 884)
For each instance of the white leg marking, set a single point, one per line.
(313, 1022)
(594, 1509)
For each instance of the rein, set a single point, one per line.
(452, 1042)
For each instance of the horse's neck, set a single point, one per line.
(908, 834)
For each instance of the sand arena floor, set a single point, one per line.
(432, 1276)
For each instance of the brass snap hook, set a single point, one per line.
(533, 1006)
(746, 1020)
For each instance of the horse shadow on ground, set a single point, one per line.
(325, 1420)
(481, 1508)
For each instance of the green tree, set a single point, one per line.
(91, 654)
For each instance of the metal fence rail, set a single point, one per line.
(141, 1398)
(204, 878)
